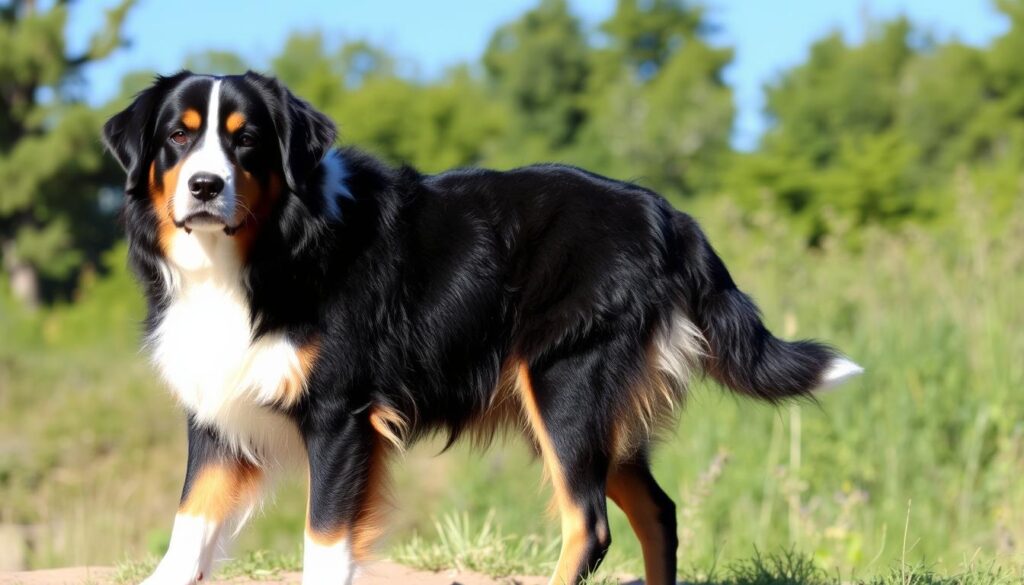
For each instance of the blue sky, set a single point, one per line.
(430, 35)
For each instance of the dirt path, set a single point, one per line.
(381, 573)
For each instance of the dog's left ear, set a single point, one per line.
(304, 134)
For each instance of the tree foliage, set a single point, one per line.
(51, 162)
(662, 109)
(539, 64)
(867, 132)
(874, 132)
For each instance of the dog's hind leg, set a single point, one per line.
(575, 458)
(652, 515)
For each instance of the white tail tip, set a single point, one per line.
(838, 372)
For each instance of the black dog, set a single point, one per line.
(314, 305)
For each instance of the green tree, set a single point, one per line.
(434, 125)
(841, 140)
(539, 63)
(1004, 57)
(323, 75)
(216, 63)
(996, 133)
(943, 93)
(646, 34)
(658, 102)
(51, 160)
(841, 90)
(306, 67)
(448, 123)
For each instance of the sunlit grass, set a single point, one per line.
(459, 543)
(485, 550)
(260, 565)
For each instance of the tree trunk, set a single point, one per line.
(23, 276)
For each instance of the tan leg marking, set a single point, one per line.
(631, 495)
(574, 526)
(220, 489)
(328, 538)
(367, 526)
(369, 522)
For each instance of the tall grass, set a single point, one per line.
(919, 461)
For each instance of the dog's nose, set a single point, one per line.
(205, 186)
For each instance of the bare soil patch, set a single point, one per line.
(380, 573)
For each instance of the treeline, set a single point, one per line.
(868, 133)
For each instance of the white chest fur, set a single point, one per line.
(203, 348)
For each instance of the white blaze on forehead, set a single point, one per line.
(208, 157)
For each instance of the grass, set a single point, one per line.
(790, 568)
(458, 544)
(90, 445)
(261, 565)
(485, 550)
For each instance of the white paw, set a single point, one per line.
(189, 557)
(177, 569)
(173, 577)
(327, 564)
(160, 578)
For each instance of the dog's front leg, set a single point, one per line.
(346, 489)
(220, 486)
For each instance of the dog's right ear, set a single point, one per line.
(128, 134)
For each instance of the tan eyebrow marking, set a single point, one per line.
(235, 121)
(191, 119)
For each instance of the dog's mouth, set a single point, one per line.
(206, 221)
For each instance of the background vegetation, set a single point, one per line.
(881, 211)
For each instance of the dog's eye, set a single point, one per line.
(179, 137)
(247, 140)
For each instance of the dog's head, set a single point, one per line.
(216, 153)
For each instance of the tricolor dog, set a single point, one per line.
(310, 304)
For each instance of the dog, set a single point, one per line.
(311, 304)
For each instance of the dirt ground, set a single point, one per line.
(382, 573)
